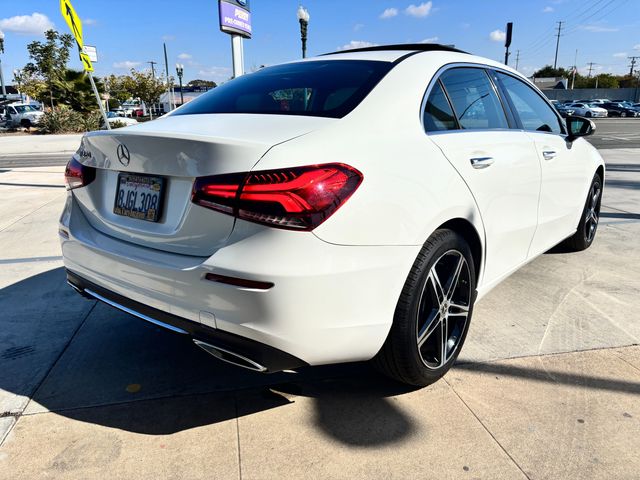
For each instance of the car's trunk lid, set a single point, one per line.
(177, 149)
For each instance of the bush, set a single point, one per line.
(66, 120)
(117, 124)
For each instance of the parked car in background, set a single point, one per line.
(619, 110)
(23, 115)
(599, 101)
(114, 118)
(119, 111)
(564, 110)
(588, 110)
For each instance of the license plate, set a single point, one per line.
(139, 196)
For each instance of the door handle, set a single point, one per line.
(481, 162)
(549, 154)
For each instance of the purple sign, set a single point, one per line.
(235, 19)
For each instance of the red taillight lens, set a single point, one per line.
(298, 198)
(78, 175)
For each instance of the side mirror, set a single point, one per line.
(579, 127)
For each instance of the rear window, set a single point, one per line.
(330, 88)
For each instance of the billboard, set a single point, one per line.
(235, 17)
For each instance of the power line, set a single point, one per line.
(555, 61)
(591, 64)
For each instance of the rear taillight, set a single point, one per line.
(78, 175)
(298, 198)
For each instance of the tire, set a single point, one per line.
(24, 123)
(423, 303)
(623, 114)
(588, 226)
(588, 114)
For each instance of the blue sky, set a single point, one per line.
(129, 33)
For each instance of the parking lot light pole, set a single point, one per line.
(180, 72)
(17, 76)
(303, 18)
(4, 90)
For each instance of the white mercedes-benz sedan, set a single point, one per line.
(347, 207)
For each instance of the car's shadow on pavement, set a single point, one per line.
(89, 362)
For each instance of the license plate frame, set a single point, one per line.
(148, 214)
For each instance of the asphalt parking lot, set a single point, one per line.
(547, 386)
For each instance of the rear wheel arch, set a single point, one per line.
(466, 229)
(600, 172)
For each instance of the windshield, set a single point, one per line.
(329, 88)
(25, 108)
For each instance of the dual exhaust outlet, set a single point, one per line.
(219, 352)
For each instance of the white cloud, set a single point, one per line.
(358, 26)
(34, 24)
(217, 74)
(498, 36)
(620, 54)
(389, 13)
(636, 47)
(168, 38)
(185, 56)
(598, 28)
(429, 40)
(127, 64)
(419, 11)
(89, 21)
(547, 9)
(357, 44)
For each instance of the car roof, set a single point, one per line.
(386, 53)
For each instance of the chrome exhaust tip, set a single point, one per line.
(230, 357)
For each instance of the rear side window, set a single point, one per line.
(322, 88)
(438, 115)
(474, 100)
(535, 114)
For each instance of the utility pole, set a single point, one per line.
(169, 89)
(555, 62)
(591, 64)
(633, 64)
(575, 70)
(153, 70)
(517, 58)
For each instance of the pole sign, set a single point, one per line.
(91, 52)
(70, 16)
(235, 17)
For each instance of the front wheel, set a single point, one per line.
(586, 232)
(432, 316)
(588, 114)
(623, 114)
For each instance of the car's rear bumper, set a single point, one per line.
(328, 304)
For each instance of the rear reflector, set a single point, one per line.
(238, 282)
(298, 198)
(78, 175)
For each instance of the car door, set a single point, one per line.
(563, 171)
(498, 163)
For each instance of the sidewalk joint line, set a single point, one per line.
(487, 430)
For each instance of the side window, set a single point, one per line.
(438, 115)
(474, 100)
(535, 114)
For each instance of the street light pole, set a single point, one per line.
(180, 72)
(303, 18)
(4, 90)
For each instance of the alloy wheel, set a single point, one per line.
(443, 309)
(593, 212)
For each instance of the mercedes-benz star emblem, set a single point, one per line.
(123, 155)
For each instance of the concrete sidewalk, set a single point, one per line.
(548, 384)
(47, 144)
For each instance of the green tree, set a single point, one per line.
(146, 87)
(120, 87)
(548, 71)
(49, 61)
(202, 83)
(74, 89)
